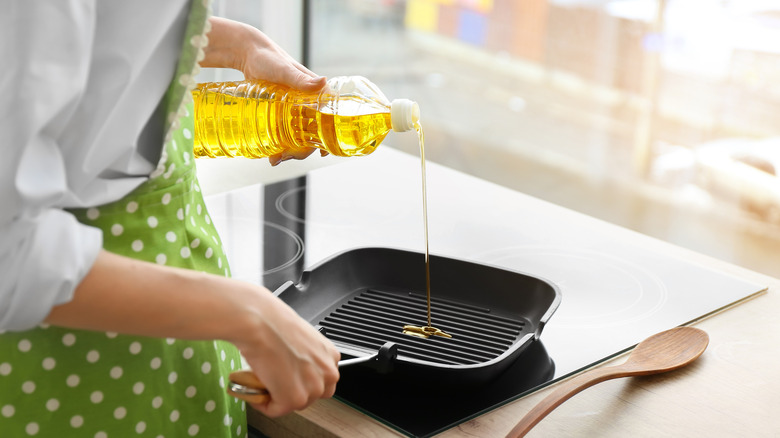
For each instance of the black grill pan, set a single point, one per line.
(363, 297)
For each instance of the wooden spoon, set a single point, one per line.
(665, 351)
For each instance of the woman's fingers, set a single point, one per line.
(289, 154)
(297, 364)
(296, 390)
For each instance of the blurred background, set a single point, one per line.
(662, 116)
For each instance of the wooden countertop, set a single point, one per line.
(732, 390)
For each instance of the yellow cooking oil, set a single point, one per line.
(257, 120)
(428, 330)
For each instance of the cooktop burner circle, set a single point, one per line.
(294, 245)
(598, 289)
(245, 241)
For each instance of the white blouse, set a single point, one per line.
(79, 83)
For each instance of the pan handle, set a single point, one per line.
(245, 385)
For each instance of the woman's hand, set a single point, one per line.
(242, 47)
(297, 364)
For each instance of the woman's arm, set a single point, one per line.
(120, 294)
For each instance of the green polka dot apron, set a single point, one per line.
(58, 382)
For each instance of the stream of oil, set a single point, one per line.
(428, 330)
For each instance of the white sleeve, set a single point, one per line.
(46, 47)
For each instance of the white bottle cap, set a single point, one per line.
(404, 113)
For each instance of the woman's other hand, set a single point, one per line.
(296, 363)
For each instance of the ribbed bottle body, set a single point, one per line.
(257, 119)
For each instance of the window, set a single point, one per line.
(658, 115)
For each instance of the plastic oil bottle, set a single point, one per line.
(350, 116)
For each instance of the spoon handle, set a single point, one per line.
(564, 392)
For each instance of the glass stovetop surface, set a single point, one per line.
(614, 294)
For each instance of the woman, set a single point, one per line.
(116, 312)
